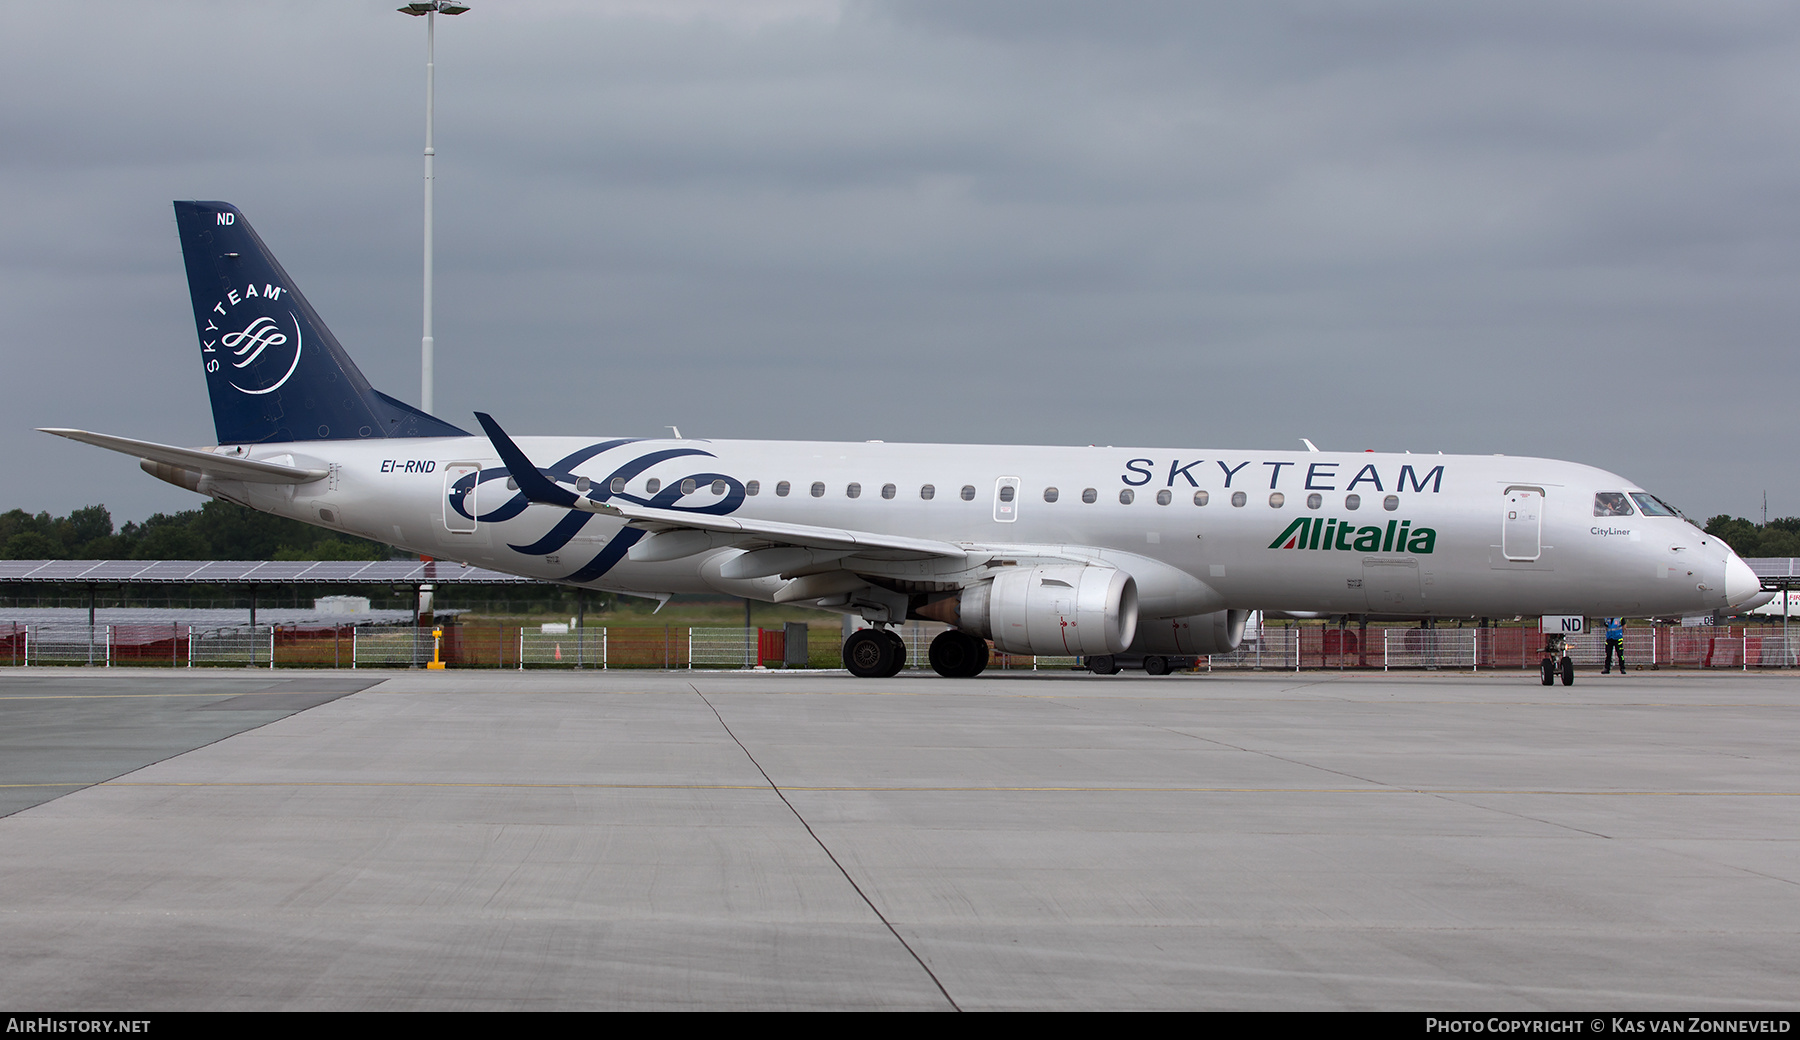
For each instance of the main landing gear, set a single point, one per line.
(958, 655)
(878, 653)
(1556, 661)
(874, 653)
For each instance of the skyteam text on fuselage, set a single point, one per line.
(1097, 552)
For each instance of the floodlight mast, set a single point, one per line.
(429, 9)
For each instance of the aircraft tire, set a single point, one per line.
(897, 646)
(1155, 664)
(1549, 672)
(958, 655)
(1568, 672)
(869, 654)
(1103, 665)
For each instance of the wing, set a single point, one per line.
(682, 533)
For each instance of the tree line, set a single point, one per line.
(1779, 537)
(216, 531)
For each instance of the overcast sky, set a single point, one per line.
(1534, 228)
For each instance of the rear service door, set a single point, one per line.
(460, 482)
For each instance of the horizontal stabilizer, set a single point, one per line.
(219, 467)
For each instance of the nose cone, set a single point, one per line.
(1741, 583)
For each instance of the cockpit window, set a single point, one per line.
(1612, 503)
(1653, 506)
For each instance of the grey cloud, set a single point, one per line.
(1537, 229)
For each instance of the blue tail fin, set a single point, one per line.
(275, 372)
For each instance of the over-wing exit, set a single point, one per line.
(1096, 552)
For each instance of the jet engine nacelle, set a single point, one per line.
(1053, 610)
(1216, 633)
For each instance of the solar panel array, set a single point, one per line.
(63, 619)
(254, 572)
(1776, 572)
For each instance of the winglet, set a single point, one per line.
(536, 486)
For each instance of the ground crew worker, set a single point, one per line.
(1615, 643)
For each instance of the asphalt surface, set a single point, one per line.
(224, 840)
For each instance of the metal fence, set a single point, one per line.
(722, 647)
(1291, 648)
(390, 648)
(1312, 647)
(166, 646)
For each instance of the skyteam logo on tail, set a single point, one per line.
(261, 353)
(1320, 533)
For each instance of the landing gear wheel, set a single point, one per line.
(1568, 672)
(900, 652)
(874, 654)
(1103, 665)
(958, 655)
(1156, 665)
(1549, 670)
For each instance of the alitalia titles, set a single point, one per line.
(1313, 532)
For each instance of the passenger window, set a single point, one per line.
(687, 486)
(1314, 500)
(968, 493)
(1277, 500)
(1612, 503)
(652, 486)
(782, 489)
(818, 489)
(1049, 494)
(1201, 498)
(718, 487)
(854, 490)
(1238, 498)
(889, 491)
(1125, 496)
(618, 485)
(1089, 495)
(582, 484)
(1164, 497)
(1352, 501)
(1008, 492)
(1391, 503)
(751, 489)
(927, 492)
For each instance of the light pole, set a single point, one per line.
(429, 9)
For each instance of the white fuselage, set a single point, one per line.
(1415, 535)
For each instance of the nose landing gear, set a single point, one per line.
(1556, 661)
